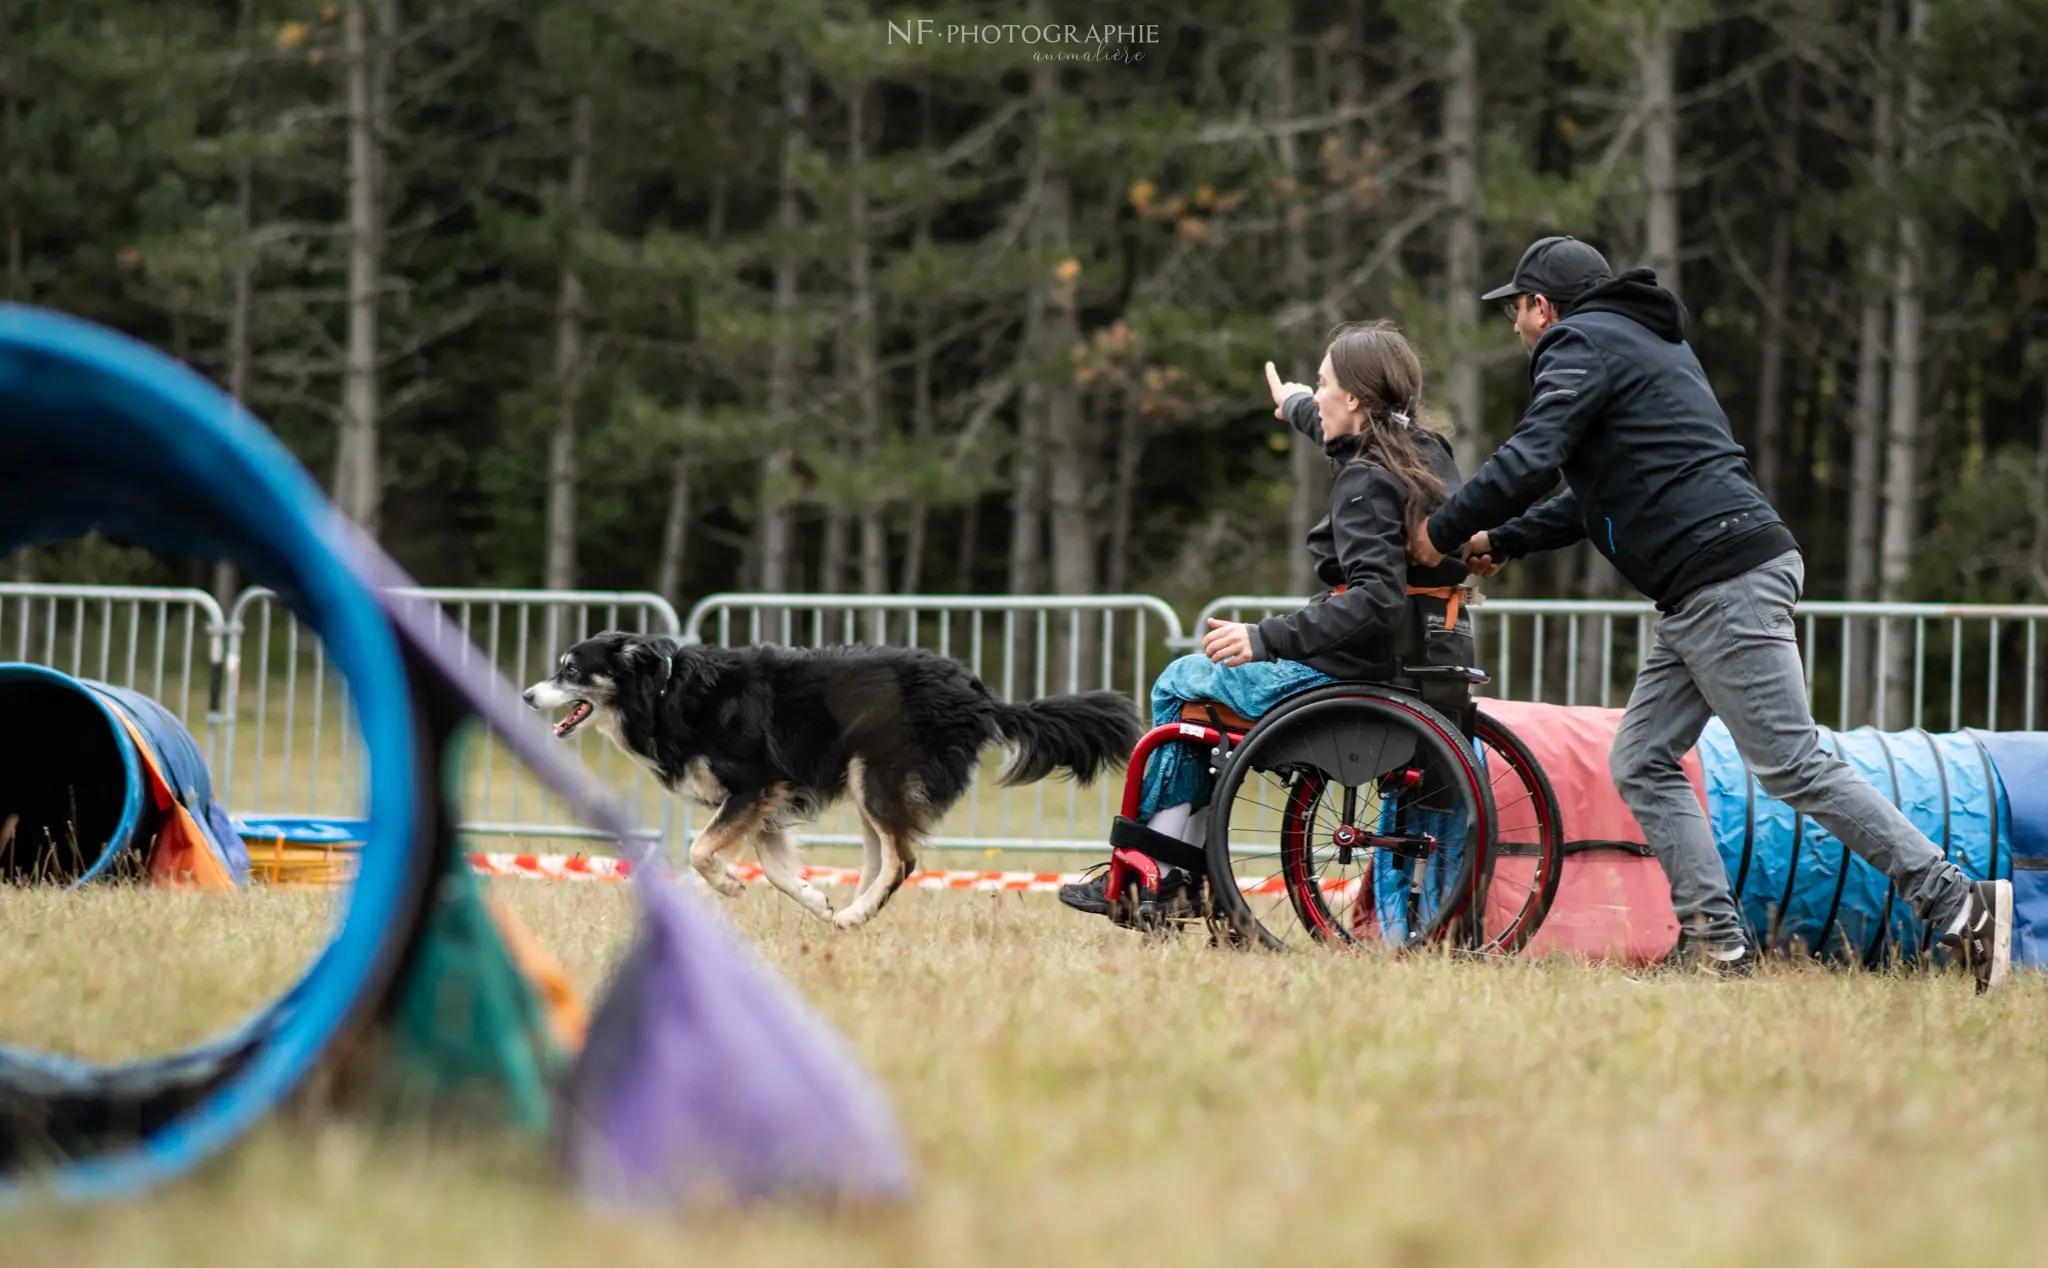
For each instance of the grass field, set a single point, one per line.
(1075, 1096)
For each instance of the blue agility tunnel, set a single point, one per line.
(1981, 796)
(2021, 760)
(106, 784)
(99, 432)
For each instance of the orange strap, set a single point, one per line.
(1451, 595)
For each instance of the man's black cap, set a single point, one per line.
(1558, 267)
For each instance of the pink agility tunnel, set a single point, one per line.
(1612, 902)
(1797, 886)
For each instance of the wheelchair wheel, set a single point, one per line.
(1350, 817)
(1527, 859)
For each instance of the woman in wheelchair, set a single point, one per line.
(1390, 474)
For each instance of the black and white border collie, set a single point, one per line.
(772, 735)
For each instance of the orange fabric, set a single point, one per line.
(1198, 712)
(568, 1018)
(183, 858)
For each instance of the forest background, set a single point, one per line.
(798, 295)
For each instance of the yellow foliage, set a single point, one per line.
(1141, 196)
(1190, 227)
(291, 34)
(1068, 270)
(1204, 196)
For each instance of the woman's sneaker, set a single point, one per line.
(1983, 941)
(1092, 895)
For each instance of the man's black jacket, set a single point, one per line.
(1621, 408)
(1363, 547)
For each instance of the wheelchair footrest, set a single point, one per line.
(1129, 834)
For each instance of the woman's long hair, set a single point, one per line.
(1374, 362)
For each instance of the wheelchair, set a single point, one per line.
(1356, 814)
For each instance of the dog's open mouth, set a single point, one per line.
(578, 714)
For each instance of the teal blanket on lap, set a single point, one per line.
(1179, 773)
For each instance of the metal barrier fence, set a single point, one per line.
(290, 744)
(167, 643)
(276, 722)
(1887, 665)
(1022, 646)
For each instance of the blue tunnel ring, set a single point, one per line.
(94, 427)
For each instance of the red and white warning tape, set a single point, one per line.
(552, 867)
(578, 867)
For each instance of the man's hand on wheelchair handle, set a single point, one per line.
(1282, 392)
(1228, 643)
(1479, 558)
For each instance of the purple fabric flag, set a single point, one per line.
(703, 1074)
(703, 1077)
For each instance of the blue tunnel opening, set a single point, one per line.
(71, 786)
(103, 433)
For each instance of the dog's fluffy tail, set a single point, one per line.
(1086, 734)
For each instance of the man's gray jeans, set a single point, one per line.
(1730, 651)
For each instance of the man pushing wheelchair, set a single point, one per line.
(1620, 409)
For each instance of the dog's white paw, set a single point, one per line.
(815, 903)
(851, 918)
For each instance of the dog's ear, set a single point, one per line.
(642, 654)
(610, 650)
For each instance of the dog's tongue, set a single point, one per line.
(577, 712)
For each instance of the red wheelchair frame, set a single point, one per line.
(1135, 859)
(1125, 861)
